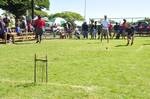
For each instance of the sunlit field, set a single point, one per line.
(77, 69)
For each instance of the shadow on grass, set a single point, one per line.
(146, 44)
(26, 85)
(24, 43)
(2, 43)
(94, 43)
(18, 43)
(120, 45)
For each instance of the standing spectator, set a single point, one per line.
(85, 30)
(23, 25)
(110, 29)
(130, 35)
(12, 24)
(92, 29)
(39, 28)
(18, 30)
(55, 30)
(116, 31)
(2, 28)
(148, 28)
(29, 26)
(69, 29)
(95, 30)
(125, 27)
(121, 29)
(99, 30)
(6, 20)
(105, 26)
(77, 33)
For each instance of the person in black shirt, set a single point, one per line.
(130, 35)
(95, 30)
(85, 30)
(116, 31)
(92, 29)
(99, 27)
(2, 28)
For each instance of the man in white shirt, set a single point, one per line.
(105, 29)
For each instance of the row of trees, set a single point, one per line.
(20, 7)
(68, 16)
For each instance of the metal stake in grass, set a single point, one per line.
(43, 69)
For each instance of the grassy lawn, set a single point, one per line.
(78, 69)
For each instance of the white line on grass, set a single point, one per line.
(85, 88)
(140, 48)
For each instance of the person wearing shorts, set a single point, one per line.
(130, 35)
(39, 28)
(105, 29)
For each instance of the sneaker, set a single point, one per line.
(37, 41)
(127, 44)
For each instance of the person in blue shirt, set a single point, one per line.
(18, 30)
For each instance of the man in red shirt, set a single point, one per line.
(39, 28)
(125, 28)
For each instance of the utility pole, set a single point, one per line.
(9, 6)
(32, 5)
(84, 10)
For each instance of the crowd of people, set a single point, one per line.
(8, 24)
(102, 29)
(105, 30)
(5, 26)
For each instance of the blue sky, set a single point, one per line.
(99, 8)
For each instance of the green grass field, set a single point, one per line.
(78, 69)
